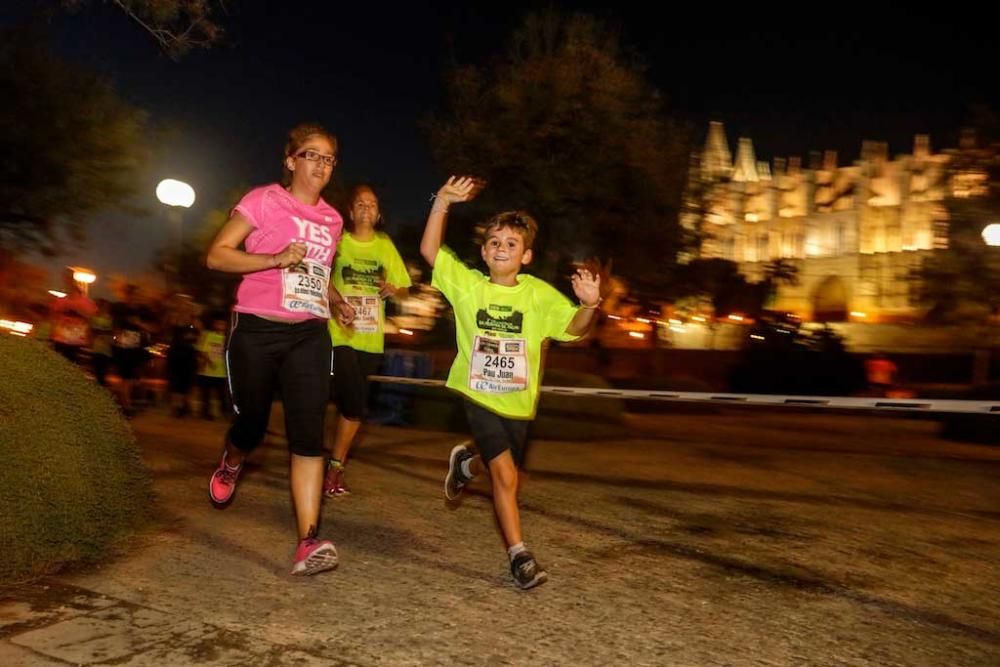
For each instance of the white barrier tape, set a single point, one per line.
(840, 402)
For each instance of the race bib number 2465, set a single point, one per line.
(498, 365)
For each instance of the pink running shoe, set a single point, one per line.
(223, 483)
(334, 483)
(314, 555)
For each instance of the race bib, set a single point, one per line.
(71, 332)
(128, 339)
(305, 287)
(498, 365)
(366, 312)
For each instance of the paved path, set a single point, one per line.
(734, 538)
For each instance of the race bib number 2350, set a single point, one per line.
(305, 287)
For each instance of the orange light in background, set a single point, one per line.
(736, 318)
(406, 332)
(57, 294)
(642, 319)
(859, 314)
(636, 334)
(16, 327)
(698, 318)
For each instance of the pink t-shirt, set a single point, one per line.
(278, 219)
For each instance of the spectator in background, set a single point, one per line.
(132, 326)
(102, 331)
(212, 367)
(881, 374)
(182, 358)
(71, 319)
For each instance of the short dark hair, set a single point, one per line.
(518, 220)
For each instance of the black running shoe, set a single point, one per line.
(527, 572)
(456, 480)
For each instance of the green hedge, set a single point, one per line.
(71, 481)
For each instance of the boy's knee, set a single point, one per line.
(503, 472)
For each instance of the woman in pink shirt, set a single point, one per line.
(279, 338)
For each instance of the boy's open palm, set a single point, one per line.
(587, 287)
(460, 189)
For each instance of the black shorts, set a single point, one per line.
(494, 434)
(128, 361)
(349, 384)
(71, 352)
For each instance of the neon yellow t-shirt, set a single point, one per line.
(500, 331)
(357, 270)
(213, 345)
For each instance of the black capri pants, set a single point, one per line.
(293, 358)
(349, 388)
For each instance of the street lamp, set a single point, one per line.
(84, 278)
(991, 234)
(176, 195)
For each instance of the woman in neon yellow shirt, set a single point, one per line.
(367, 270)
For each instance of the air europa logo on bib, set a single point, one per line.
(500, 319)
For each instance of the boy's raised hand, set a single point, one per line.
(587, 287)
(460, 189)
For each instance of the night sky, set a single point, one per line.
(798, 78)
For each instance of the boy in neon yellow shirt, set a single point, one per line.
(501, 322)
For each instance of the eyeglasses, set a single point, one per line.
(316, 156)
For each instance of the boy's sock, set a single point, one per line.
(516, 549)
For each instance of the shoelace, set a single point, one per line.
(229, 473)
(527, 568)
